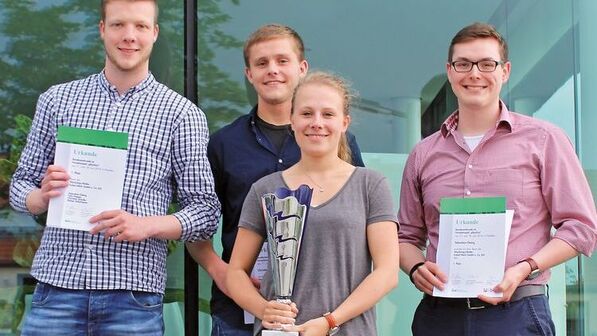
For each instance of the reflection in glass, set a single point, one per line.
(43, 43)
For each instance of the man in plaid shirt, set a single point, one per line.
(111, 280)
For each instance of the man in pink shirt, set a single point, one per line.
(483, 149)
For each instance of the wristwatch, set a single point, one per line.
(331, 323)
(535, 271)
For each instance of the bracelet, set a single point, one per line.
(413, 269)
(331, 320)
(332, 324)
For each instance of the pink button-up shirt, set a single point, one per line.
(530, 162)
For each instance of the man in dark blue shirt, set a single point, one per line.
(253, 146)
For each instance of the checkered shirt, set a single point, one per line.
(168, 137)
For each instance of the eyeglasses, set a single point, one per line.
(483, 66)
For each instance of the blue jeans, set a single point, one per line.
(219, 327)
(60, 311)
(528, 316)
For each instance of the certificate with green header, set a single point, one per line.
(473, 239)
(96, 162)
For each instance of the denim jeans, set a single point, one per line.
(525, 317)
(60, 311)
(219, 327)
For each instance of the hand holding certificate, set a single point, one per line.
(473, 238)
(96, 163)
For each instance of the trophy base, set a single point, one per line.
(279, 333)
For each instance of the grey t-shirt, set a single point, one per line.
(334, 257)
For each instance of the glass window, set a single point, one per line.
(395, 54)
(585, 299)
(43, 43)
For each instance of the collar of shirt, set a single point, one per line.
(261, 138)
(112, 92)
(451, 124)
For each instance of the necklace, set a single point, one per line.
(319, 187)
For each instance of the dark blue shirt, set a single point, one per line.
(240, 155)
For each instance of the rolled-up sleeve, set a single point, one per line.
(37, 154)
(200, 208)
(411, 215)
(567, 194)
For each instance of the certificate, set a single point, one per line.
(96, 162)
(258, 272)
(473, 239)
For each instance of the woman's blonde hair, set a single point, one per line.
(343, 87)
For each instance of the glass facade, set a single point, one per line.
(43, 43)
(393, 52)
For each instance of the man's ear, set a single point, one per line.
(506, 72)
(156, 32)
(303, 68)
(102, 28)
(248, 74)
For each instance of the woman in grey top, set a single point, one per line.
(349, 252)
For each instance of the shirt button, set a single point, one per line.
(280, 161)
(89, 247)
(118, 104)
(468, 192)
(470, 166)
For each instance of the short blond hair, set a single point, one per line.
(105, 3)
(271, 32)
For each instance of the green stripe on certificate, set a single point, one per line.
(472, 205)
(91, 137)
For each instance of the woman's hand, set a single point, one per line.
(278, 315)
(315, 327)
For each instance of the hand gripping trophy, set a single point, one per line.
(285, 213)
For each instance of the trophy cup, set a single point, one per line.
(285, 213)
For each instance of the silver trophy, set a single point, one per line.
(285, 213)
